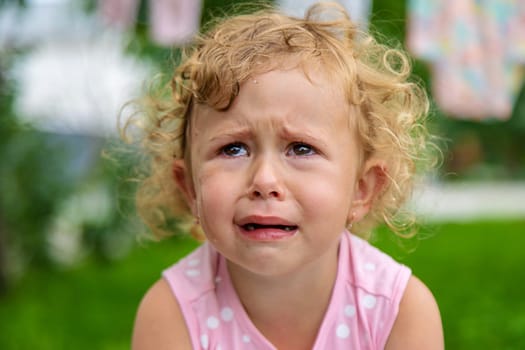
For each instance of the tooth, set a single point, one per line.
(250, 227)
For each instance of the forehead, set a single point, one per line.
(299, 95)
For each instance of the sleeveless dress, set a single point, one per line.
(362, 310)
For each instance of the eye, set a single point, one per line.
(236, 149)
(300, 149)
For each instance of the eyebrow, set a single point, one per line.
(233, 133)
(303, 136)
(244, 132)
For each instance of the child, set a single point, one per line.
(284, 133)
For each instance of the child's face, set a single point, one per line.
(275, 177)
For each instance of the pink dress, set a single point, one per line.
(362, 310)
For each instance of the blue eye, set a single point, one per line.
(301, 149)
(236, 149)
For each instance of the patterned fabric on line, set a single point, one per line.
(476, 50)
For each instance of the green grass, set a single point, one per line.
(89, 307)
(475, 271)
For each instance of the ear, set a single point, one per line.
(369, 185)
(184, 181)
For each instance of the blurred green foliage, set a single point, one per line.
(39, 173)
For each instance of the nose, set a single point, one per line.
(266, 182)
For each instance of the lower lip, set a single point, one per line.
(267, 235)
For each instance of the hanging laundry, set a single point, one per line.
(476, 49)
(172, 22)
(359, 10)
(121, 14)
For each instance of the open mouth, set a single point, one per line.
(268, 232)
(254, 226)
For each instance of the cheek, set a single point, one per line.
(214, 197)
(329, 194)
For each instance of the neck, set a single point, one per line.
(277, 305)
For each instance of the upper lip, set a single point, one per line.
(265, 220)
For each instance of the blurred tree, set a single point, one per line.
(47, 179)
(31, 183)
(7, 2)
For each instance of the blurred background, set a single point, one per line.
(72, 265)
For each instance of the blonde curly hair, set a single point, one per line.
(390, 108)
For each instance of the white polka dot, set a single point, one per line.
(369, 301)
(342, 331)
(205, 341)
(193, 272)
(349, 310)
(246, 338)
(218, 279)
(370, 266)
(227, 314)
(219, 347)
(212, 322)
(194, 262)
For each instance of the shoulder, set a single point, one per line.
(376, 272)
(159, 323)
(418, 323)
